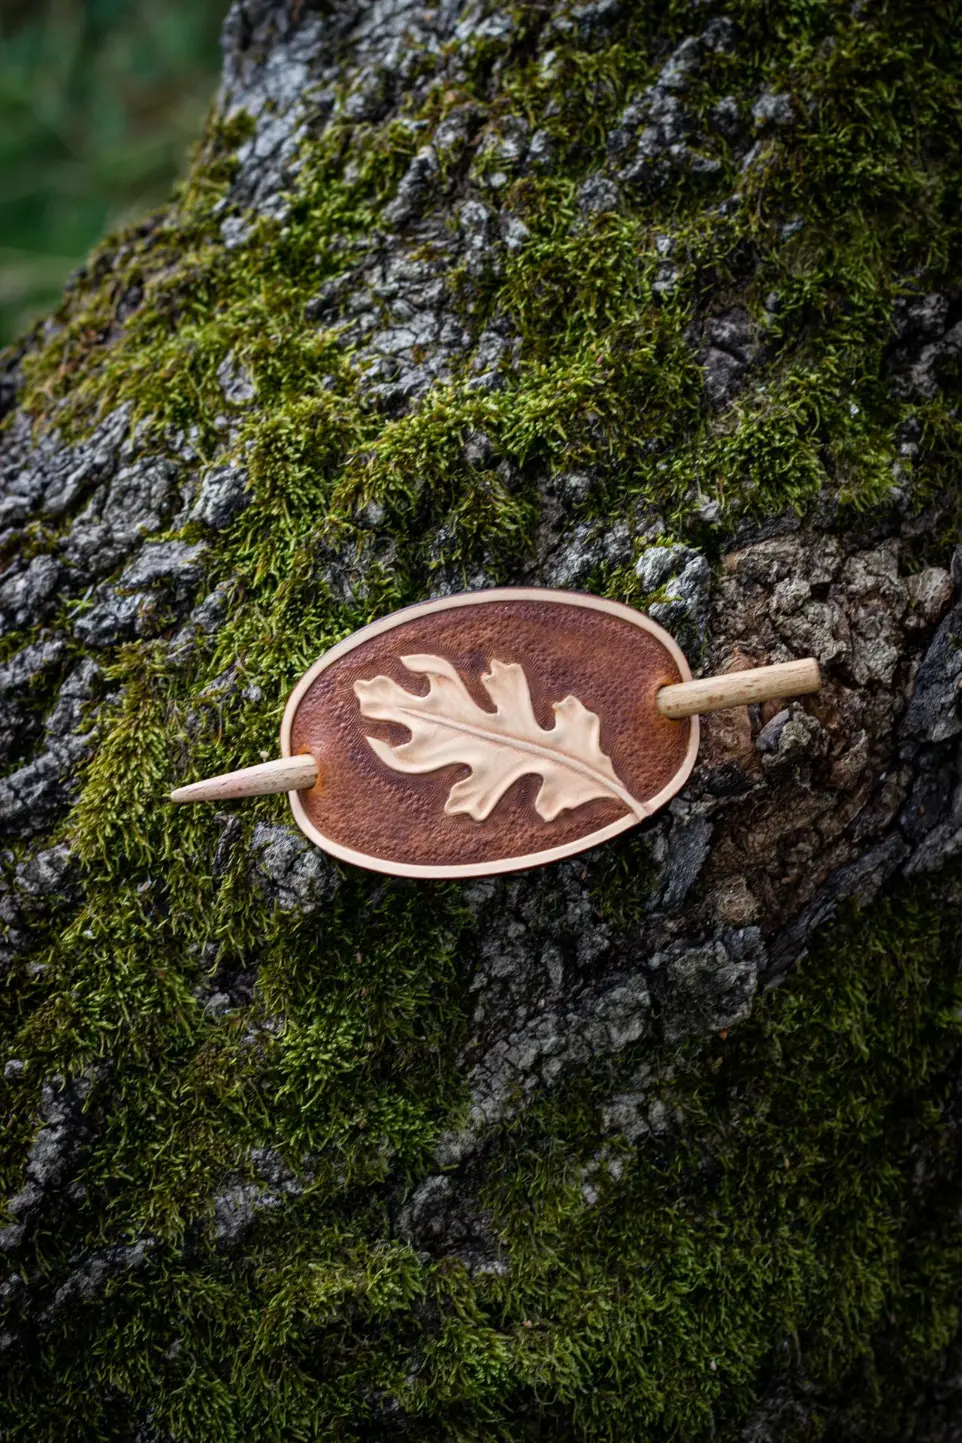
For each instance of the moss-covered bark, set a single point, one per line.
(656, 301)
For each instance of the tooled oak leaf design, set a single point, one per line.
(448, 727)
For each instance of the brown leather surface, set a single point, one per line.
(612, 666)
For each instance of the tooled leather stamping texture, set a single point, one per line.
(488, 732)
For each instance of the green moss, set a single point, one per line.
(782, 1231)
(770, 1237)
(785, 1229)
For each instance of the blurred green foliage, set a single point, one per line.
(99, 103)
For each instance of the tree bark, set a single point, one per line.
(655, 303)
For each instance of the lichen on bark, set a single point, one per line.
(655, 301)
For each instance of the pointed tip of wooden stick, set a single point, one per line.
(286, 774)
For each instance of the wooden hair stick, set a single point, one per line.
(615, 681)
(683, 699)
(739, 688)
(285, 774)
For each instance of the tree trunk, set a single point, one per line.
(650, 302)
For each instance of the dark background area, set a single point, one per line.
(100, 101)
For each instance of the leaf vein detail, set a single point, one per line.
(497, 745)
(553, 754)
